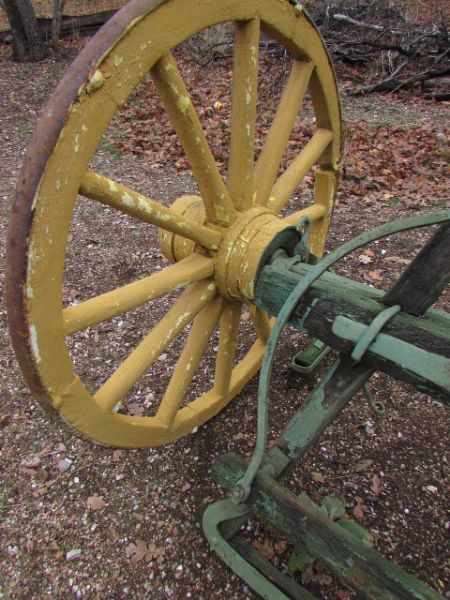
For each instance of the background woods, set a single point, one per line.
(385, 45)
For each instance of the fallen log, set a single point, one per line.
(82, 24)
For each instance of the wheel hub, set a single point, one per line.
(242, 246)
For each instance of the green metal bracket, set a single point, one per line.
(373, 330)
(213, 516)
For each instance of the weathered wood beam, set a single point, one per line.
(359, 567)
(332, 295)
(421, 284)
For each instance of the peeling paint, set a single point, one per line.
(95, 82)
(34, 343)
(117, 60)
(183, 103)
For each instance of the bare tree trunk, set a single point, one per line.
(58, 8)
(27, 44)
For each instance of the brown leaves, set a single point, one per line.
(143, 551)
(269, 549)
(95, 502)
(374, 276)
(358, 508)
(377, 486)
(317, 477)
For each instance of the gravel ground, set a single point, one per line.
(82, 521)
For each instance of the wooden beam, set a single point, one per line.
(359, 567)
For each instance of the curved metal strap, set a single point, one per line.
(373, 330)
(215, 514)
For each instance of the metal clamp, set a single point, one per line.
(373, 330)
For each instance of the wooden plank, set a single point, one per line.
(359, 567)
(423, 281)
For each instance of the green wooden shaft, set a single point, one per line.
(332, 295)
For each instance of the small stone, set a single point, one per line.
(64, 464)
(73, 554)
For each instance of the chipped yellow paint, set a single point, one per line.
(118, 59)
(217, 237)
(184, 104)
(95, 82)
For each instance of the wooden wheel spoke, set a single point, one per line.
(106, 191)
(261, 322)
(313, 212)
(243, 118)
(202, 329)
(186, 123)
(188, 305)
(269, 162)
(229, 331)
(108, 305)
(300, 166)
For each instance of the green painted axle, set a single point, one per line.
(338, 310)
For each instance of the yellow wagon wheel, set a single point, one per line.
(214, 240)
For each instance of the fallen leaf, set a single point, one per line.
(136, 551)
(280, 546)
(95, 502)
(265, 548)
(318, 477)
(366, 257)
(141, 550)
(376, 485)
(136, 410)
(324, 579)
(28, 472)
(116, 455)
(375, 276)
(358, 508)
(33, 463)
(363, 464)
(139, 517)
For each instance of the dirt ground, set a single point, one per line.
(70, 511)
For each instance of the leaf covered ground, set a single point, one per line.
(82, 521)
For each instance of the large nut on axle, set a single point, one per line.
(241, 250)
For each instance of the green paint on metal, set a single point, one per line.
(224, 510)
(373, 330)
